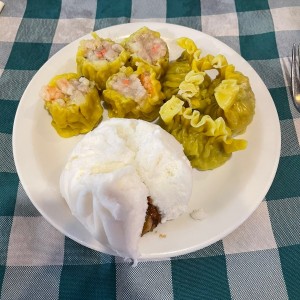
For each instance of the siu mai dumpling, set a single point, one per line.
(148, 47)
(97, 59)
(73, 103)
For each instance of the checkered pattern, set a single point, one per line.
(259, 260)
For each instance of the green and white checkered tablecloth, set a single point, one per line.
(259, 260)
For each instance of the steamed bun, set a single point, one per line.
(112, 172)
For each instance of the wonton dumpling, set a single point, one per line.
(228, 95)
(207, 143)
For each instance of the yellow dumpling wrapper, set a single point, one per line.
(176, 80)
(188, 45)
(207, 143)
(170, 109)
(194, 89)
(174, 75)
(226, 93)
(73, 119)
(178, 69)
(190, 87)
(234, 99)
(208, 62)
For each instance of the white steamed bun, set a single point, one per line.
(111, 172)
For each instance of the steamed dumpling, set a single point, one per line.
(134, 94)
(97, 59)
(73, 103)
(146, 46)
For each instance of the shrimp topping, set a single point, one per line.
(67, 92)
(50, 93)
(146, 82)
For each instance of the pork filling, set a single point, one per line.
(153, 217)
(129, 86)
(97, 50)
(148, 47)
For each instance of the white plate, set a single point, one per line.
(228, 195)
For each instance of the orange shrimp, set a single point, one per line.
(100, 53)
(63, 84)
(126, 81)
(50, 93)
(146, 82)
(155, 48)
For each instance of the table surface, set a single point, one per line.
(259, 260)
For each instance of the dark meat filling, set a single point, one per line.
(152, 218)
